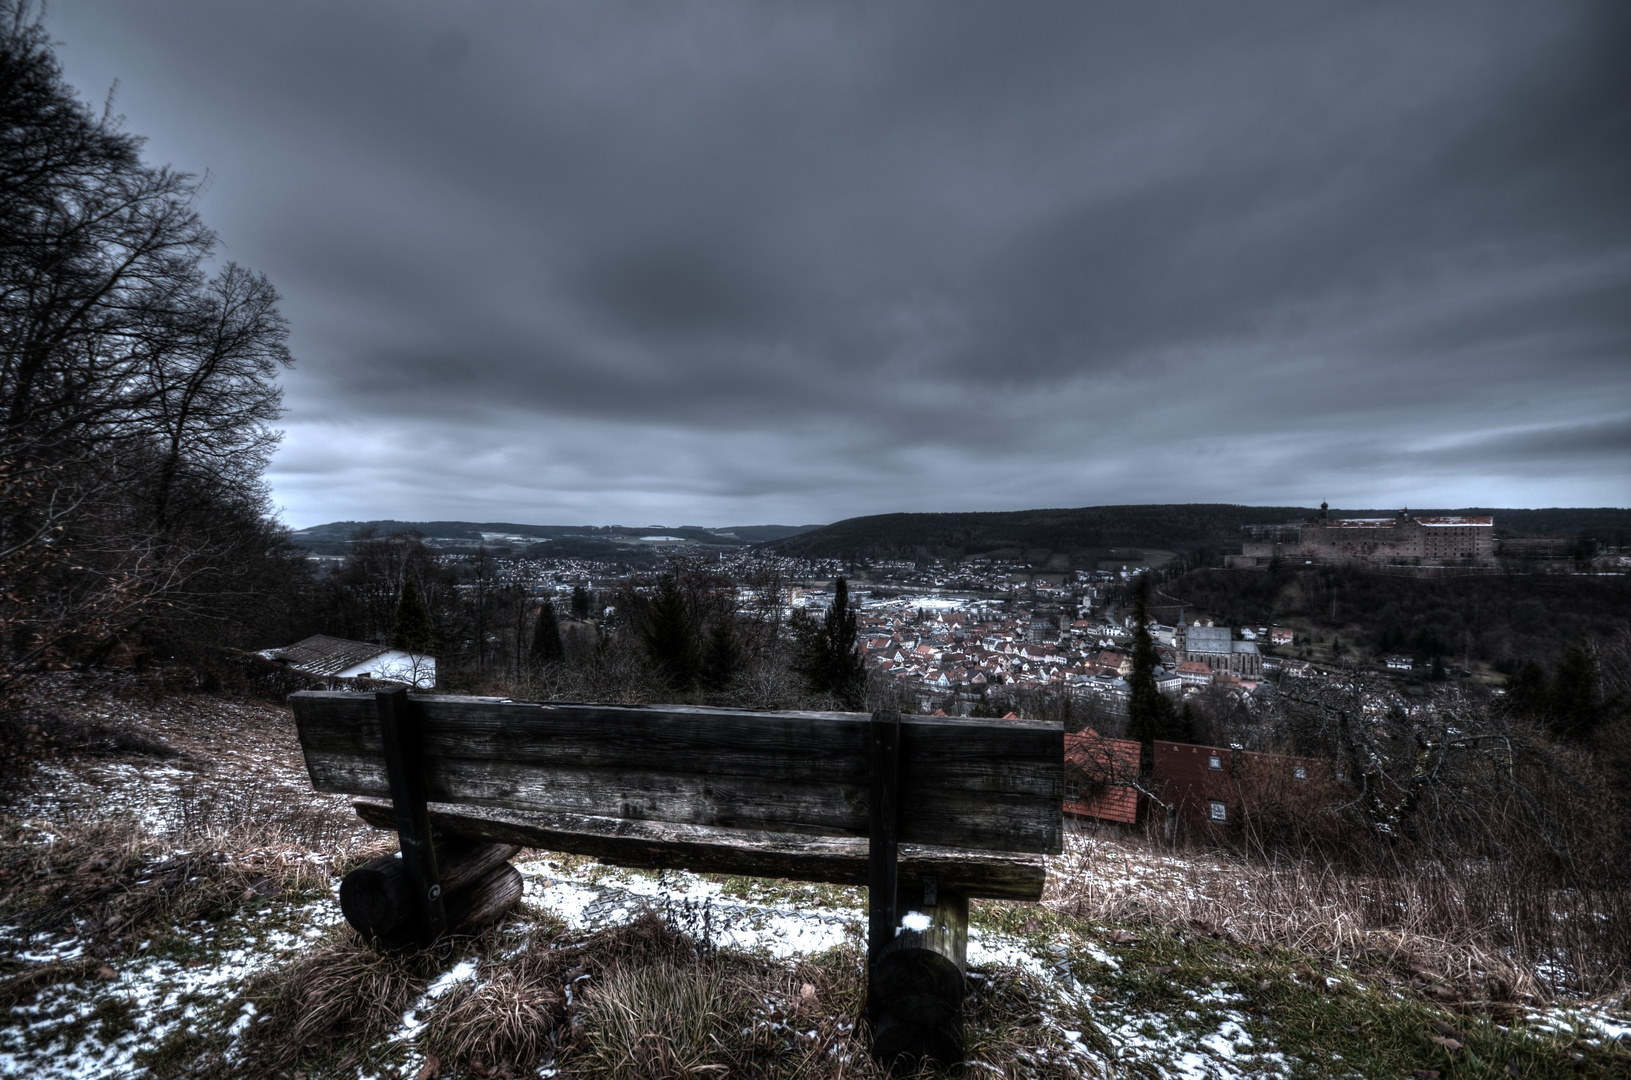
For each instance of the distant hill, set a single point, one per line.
(1097, 528)
(607, 542)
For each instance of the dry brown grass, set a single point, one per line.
(1473, 929)
(658, 1020)
(520, 1010)
(112, 881)
(339, 994)
(641, 1002)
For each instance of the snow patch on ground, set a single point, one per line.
(93, 1029)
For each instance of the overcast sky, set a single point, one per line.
(739, 263)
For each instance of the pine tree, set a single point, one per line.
(829, 657)
(1576, 696)
(1529, 692)
(722, 654)
(847, 678)
(580, 603)
(669, 633)
(411, 630)
(547, 647)
(1150, 716)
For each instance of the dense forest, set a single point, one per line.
(1175, 526)
(1497, 620)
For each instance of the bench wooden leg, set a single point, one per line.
(918, 980)
(404, 769)
(883, 860)
(415, 897)
(917, 934)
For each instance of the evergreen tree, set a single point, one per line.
(411, 631)
(669, 632)
(1529, 692)
(1577, 705)
(721, 655)
(829, 657)
(547, 647)
(580, 603)
(1150, 716)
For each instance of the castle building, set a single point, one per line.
(1403, 538)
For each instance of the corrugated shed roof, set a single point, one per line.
(321, 654)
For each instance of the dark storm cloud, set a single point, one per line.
(746, 262)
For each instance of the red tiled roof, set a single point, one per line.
(1109, 765)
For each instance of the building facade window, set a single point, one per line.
(1300, 773)
(1219, 811)
(1214, 762)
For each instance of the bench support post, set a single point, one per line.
(919, 978)
(883, 744)
(404, 768)
(917, 933)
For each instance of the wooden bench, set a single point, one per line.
(926, 812)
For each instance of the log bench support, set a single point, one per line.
(411, 899)
(917, 932)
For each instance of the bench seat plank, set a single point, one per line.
(654, 845)
(964, 784)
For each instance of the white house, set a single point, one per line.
(340, 658)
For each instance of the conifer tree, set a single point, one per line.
(1529, 692)
(580, 603)
(669, 632)
(411, 630)
(829, 657)
(722, 654)
(1150, 716)
(1577, 705)
(547, 647)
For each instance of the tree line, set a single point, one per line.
(138, 393)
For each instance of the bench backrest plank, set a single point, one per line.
(995, 785)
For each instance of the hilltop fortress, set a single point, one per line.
(1443, 540)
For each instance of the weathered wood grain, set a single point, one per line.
(485, 901)
(883, 752)
(915, 987)
(652, 845)
(995, 785)
(400, 745)
(377, 899)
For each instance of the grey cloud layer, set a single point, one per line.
(745, 262)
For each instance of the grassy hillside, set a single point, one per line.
(169, 912)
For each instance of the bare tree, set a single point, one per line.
(137, 392)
